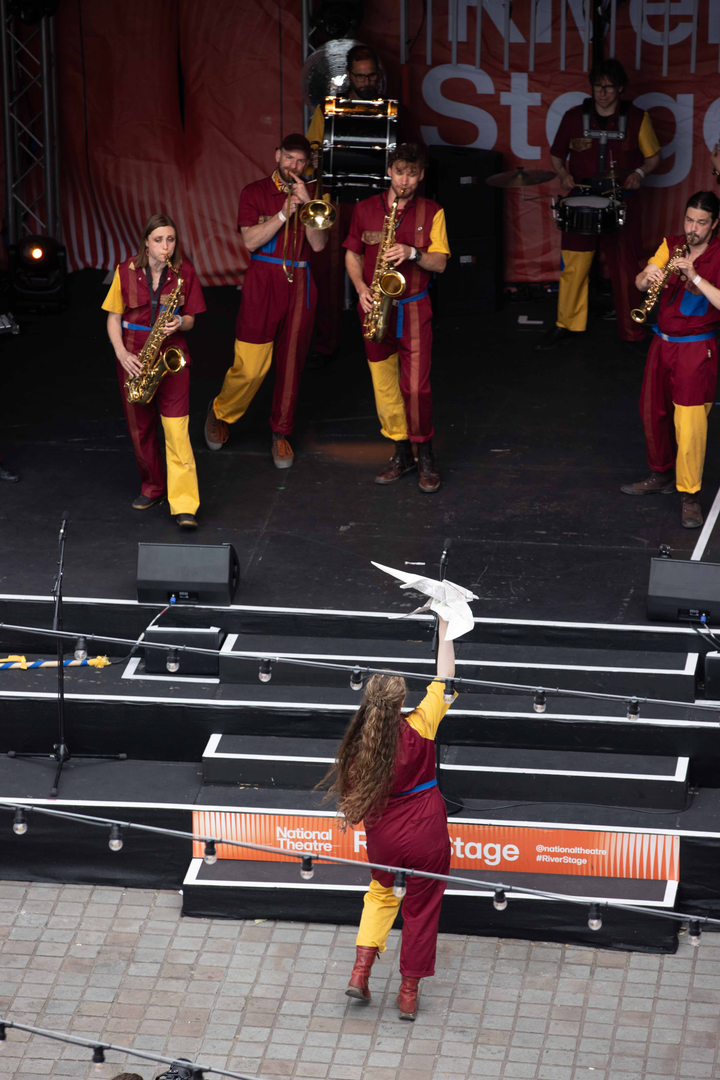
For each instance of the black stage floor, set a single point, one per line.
(533, 448)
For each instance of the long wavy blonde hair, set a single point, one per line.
(362, 775)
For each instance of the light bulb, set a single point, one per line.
(594, 917)
(540, 701)
(449, 692)
(633, 710)
(356, 679)
(210, 855)
(306, 868)
(19, 823)
(173, 661)
(36, 253)
(399, 887)
(98, 1058)
(499, 900)
(265, 672)
(694, 932)
(81, 649)
(116, 841)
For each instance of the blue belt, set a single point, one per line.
(400, 321)
(681, 340)
(420, 787)
(135, 326)
(279, 262)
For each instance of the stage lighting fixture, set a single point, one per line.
(20, 823)
(356, 679)
(98, 1058)
(449, 692)
(81, 649)
(265, 672)
(116, 841)
(594, 917)
(500, 900)
(173, 661)
(694, 932)
(210, 855)
(38, 273)
(633, 709)
(3, 1033)
(540, 701)
(399, 886)
(338, 18)
(306, 868)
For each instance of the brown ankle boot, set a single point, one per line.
(429, 475)
(401, 462)
(364, 959)
(407, 999)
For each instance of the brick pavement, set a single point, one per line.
(267, 998)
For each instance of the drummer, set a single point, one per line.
(603, 135)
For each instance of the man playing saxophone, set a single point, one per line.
(400, 362)
(140, 287)
(681, 368)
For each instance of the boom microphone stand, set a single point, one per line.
(452, 805)
(60, 753)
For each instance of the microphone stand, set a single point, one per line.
(60, 753)
(452, 805)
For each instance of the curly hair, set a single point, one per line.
(362, 775)
(410, 154)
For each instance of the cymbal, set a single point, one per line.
(520, 178)
(613, 174)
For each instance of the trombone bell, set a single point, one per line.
(318, 214)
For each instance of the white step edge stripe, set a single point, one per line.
(562, 772)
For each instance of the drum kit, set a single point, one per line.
(591, 209)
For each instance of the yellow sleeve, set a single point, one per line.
(316, 130)
(426, 718)
(114, 301)
(438, 234)
(661, 256)
(647, 139)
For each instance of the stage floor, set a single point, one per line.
(532, 447)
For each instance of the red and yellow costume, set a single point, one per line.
(622, 249)
(681, 371)
(400, 363)
(411, 832)
(273, 311)
(129, 296)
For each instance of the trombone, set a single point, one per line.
(316, 214)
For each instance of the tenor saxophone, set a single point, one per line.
(156, 361)
(639, 315)
(387, 283)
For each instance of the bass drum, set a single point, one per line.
(589, 215)
(358, 139)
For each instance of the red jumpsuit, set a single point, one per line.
(272, 310)
(681, 374)
(622, 249)
(411, 832)
(403, 397)
(129, 296)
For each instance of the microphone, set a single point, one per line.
(63, 525)
(444, 557)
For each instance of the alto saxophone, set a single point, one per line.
(387, 282)
(156, 361)
(640, 314)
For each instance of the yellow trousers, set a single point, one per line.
(388, 399)
(572, 310)
(691, 436)
(243, 380)
(380, 908)
(182, 482)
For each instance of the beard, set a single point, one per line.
(365, 93)
(693, 239)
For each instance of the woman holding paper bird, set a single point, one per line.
(384, 776)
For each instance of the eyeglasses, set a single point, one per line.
(365, 78)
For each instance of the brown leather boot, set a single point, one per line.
(692, 516)
(358, 985)
(662, 483)
(401, 462)
(407, 1001)
(429, 475)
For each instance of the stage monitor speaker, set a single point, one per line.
(456, 178)
(187, 574)
(682, 590)
(471, 283)
(209, 637)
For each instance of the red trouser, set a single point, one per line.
(677, 392)
(414, 350)
(172, 398)
(415, 835)
(328, 270)
(623, 253)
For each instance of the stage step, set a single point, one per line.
(669, 675)
(466, 772)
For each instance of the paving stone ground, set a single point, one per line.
(267, 998)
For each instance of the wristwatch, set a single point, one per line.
(417, 256)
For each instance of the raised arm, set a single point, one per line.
(446, 653)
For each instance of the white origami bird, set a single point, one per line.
(446, 599)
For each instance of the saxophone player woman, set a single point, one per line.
(400, 363)
(136, 295)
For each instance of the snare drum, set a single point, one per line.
(589, 215)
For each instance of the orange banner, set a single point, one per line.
(651, 856)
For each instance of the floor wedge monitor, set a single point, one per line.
(187, 574)
(685, 591)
